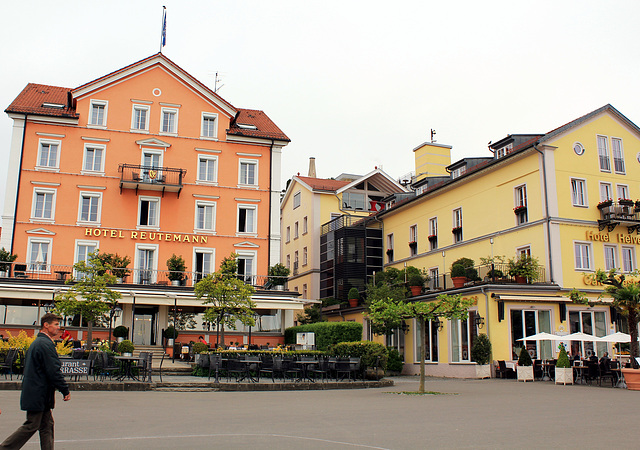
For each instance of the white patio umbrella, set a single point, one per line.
(543, 336)
(580, 336)
(616, 337)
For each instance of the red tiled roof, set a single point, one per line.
(265, 128)
(323, 184)
(33, 97)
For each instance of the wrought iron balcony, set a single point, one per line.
(622, 212)
(165, 179)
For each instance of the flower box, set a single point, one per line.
(519, 209)
(604, 204)
(413, 244)
(456, 229)
(525, 373)
(432, 237)
(625, 202)
(389, 251)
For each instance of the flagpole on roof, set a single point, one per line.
(163, 34)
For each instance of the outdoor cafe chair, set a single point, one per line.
(593, 372)
(235, 368)
(289, 369)
(356, 367)
(109, 366)
(343, 370)
(502, 371)
(93, 359)
(322, 369)
(9, 360)
(605, 372)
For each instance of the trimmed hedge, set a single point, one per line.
(367, 351)
(327, 333)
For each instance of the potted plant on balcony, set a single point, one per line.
(625, 202)
(481, 355)
(176, 267)
(119, 266)
(120, 332)
(416, 282)
(278, 274)
(6, 257)
(564, 372)
(354, 296)
(605, 203)
(524, 268)
(519, 209)
(525, 366)
(458, 275)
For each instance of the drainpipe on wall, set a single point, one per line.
(269, 206)
(486, 313)
(15, 209)
(546, 207)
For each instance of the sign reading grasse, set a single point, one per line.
(156, 236)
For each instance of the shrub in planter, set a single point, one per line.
(353, 297)
(367, 351)
(6, 257)
(394, 361)
(176, 267)
(125, 346)
(199, 347)
(171, 332)
(481, 355)
(525, 366)
(564, 372)
(120, 331)
(525, 266)
(278, 274)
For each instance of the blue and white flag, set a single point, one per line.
(163, 39)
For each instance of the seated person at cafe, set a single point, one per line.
(201, 339)
(65, 334)
(605, 359)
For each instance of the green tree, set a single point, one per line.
(228, 298)
(390, 312)
(89, 294)
(311, 314)
(626, 300)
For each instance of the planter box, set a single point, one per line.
(483, 371)
(458, 282)
(564, 375)
(525, 373)
(632, 378)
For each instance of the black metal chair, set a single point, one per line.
(322, 369)
(234, 368)
(7, 364)
(606, 372)
(289, 369)
(502, 371)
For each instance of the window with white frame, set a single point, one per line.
(39, 251)
(247, 218)
(305, 225)
(603, 154)
(48, 154)
(89, 207)
(140, 118)
(461, 337)
(523, 252)
(98, 113)
(433, 233)
(209, 125)
(583, 256)
(304, 290)
(623, 192)
(246, 267)
(208, 168)
(83, 250)
(527, 322)
(354, 200)
(93, 158)
(146, 264)
(618, 155)
(628, 259)
(390, 247)
(248, 172)
(288, 234)
(578, 192)
(169, 121)
(296, 200)
(431, 341)
(610, 257)
(413, 240)
(288, 261)
(43, 204)
(606, 191)
(148, 211)
(520, 208)
(457, 225)
(205, 216)
(295, 230)
(203, 262)
(305, 255)
(434, 275)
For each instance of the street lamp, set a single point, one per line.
(115, 311)
(48, 307)
(479, 320)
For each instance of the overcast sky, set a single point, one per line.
(354, 83)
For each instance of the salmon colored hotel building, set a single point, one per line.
(145, 162)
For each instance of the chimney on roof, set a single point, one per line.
(312, 167)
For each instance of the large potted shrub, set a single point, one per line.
(176, 267)
(170, 334)
(481, 355)
(416, 282)
(278, 274)
(458, 275)
(121, 333)
(353, 296)
(524, 268)
(6, 257)
(126, 348)
(119, 266)
(525, 366)
(564, 372)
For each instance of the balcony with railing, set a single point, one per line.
(623, 212)
(165, 179)
(57, 273)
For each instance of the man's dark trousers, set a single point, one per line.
(41, 421)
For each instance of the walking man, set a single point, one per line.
(42, 376)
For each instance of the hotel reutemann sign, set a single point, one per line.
(155, 236)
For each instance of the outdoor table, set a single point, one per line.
(62, 274)
(546, 373)
(621, 383)
(247, 369)
(580, 371)
(127, 363)
(511, 365)
(304, 373)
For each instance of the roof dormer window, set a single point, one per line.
(246, 126)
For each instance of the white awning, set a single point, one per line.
(532, 298)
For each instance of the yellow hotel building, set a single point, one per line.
(566, 197)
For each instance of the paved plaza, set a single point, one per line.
(473, 414)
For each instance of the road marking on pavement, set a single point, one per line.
(182, 436)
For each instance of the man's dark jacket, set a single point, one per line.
(42, 376)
